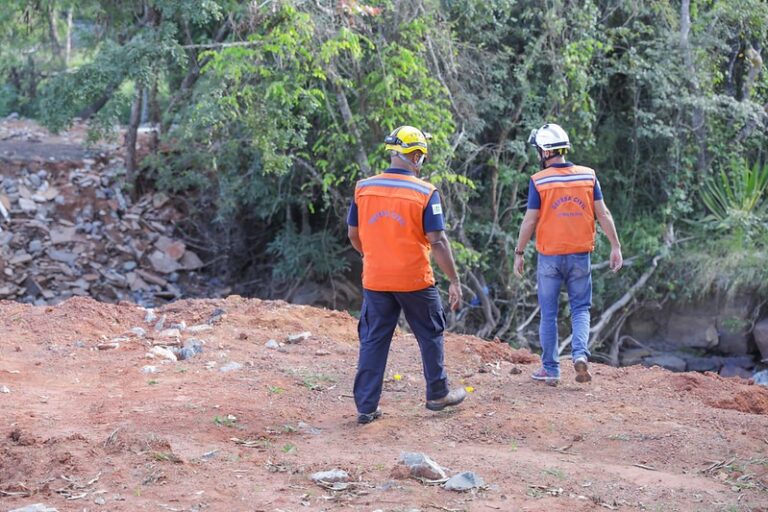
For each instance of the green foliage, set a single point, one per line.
(314, 255)
(737, 202)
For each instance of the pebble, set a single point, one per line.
(322, 352)
(4, 389)
(230, 367)
(170, 333)
(180, 325)
(191, 348)
(273, 344)
(99, 500)
(149, 369)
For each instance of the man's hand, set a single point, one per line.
(616, 260)
(518, 265)
(454, 295)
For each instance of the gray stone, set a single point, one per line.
(199, 328)
(743, 361)
(164, 353)
(191, 348)
(668, 361)
(464, 482)
(761, 378)
(35, 246)
(297, 338)
(308, 429)
(633, 356)
(148, 369)
(150, 316)
(336, 475)
(229, 367)
(760, 332)
(735, 371)
(703, 364)
(37, 507)
(138, 332)
(129, 265)
(421, 466)
(4, 389)
(272, 344)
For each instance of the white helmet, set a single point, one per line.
(548, 137)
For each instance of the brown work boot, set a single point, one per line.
(582, 370)
(454, 397)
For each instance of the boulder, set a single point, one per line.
(760, 332)
(703, 364)
(668, 361)
(687, 329)
(730, 370)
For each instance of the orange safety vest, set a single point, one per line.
(390, 212)
(566, 222)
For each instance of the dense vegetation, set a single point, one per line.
(269, 111)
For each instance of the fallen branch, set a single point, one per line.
(605, 318)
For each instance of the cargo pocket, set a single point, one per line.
(437, 316)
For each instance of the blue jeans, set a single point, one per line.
(378, 319)
(552, 271)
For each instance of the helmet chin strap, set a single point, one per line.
(411, 162)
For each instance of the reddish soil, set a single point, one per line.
(84, 429)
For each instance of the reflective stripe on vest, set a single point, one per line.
(567, 216)
(390, 212)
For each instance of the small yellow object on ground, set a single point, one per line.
(398, 376)
(469, 389)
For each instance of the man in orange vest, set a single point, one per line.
(395, 222)
(563, 201)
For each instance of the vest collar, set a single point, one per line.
(394, 170)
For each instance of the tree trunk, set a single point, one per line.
(346, 113)
(53, 30)
(697, 117)
(131, 163)
(68, 53)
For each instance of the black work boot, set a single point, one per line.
(454, 397)
(363, 419)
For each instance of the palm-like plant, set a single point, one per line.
(737, 202)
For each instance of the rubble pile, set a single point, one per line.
(68, 228)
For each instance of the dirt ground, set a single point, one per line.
(84, 429)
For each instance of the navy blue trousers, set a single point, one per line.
(378, 319)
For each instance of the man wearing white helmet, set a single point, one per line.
(563, 201)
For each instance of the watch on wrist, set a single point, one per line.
(519, 252)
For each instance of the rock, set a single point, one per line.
(730, 370)
(743, 361)
(329, 477)
(164, 353)
(322, 352)
(464, 482)
(179, 325)
(99, 500)
(150, 316)
(4, 389)
(138, 332)
(760, 332)
(703, 364)
(191, 348)
(63, 256)
(199, 328)
(191, 261)
(148, 369)
(27, 205)
(170, 333)
(421, 466)
(162, 263)
(308, 429)
(37, 507)
(229, 367)
(297, 338)
(216, 316)
(761, 378)
(668, 361)
(272, 344)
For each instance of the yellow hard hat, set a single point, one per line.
(407, 139)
